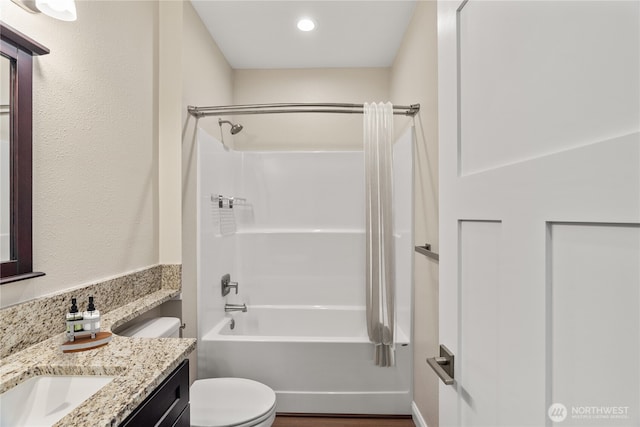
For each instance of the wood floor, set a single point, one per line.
(291, 421)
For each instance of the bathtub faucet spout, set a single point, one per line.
(235, 307)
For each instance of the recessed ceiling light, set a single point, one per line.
(306, 24)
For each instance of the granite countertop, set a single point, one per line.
(139, 365)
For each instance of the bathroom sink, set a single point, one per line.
(44, 400)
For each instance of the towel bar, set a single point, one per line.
(426, 250)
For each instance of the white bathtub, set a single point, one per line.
(318, 359)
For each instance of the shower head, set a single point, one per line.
(235, 128)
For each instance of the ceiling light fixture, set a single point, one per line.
(64, 10)
(306, 24)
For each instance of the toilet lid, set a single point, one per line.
(226, 402)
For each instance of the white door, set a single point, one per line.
(540, 212)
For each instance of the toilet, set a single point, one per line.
(215, 402)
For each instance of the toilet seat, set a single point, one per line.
(231, 402)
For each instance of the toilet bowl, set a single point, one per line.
(216, 402)
(232, 402)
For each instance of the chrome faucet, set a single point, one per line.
(235, 307)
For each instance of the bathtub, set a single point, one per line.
(318, 359)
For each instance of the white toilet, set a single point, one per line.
(216, 402)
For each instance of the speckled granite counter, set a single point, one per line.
(138, 364)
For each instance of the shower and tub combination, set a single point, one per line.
(284, 234)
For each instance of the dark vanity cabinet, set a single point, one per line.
(168, 405)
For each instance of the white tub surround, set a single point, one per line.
(298, 255)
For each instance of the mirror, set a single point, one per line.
(5, 163)
(16, 70)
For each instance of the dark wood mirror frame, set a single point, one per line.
(20, 50)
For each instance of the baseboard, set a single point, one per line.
(366, 416)
(384, 403)
(418, 420)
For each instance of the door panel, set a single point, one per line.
(480, 319)
(594, 336)
(544, 63)
(539, 110)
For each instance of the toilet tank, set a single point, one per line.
(156, 327)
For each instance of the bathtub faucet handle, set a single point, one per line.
(233, 285)
(227, 284)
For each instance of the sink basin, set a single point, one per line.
(44, 400)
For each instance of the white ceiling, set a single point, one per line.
(263, 34)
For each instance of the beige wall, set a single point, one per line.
(170, 131)
(305, 131)
(95, 155)
(414, 79)
(207, 79)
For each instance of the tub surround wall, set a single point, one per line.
(300, 236)
(301, 240)
(302, 190)
(28, 323)
(299, 247)
(321, 268)
(217, 169)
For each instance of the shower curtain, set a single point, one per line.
(380, 270)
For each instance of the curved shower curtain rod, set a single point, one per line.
(228, 110)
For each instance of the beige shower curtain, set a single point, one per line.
(380, 275)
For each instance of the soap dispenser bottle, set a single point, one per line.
(73, 314)
(90, 315)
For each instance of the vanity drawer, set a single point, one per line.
(168, 405)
